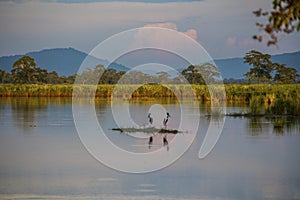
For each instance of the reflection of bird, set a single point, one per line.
(165, 141)
(150, 140)
(150, 118)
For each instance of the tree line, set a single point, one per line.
(26, 71)
(265, 71)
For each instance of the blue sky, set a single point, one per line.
(224, 28)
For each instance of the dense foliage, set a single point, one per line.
(26, 71)
(263, 68)
(284, 18)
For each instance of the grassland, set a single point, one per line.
(263, 98)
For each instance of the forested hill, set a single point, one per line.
(66, 61)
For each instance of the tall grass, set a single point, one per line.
(272, 99)
(28, 90)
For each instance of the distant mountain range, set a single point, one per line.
(66, 61)
(235, 67)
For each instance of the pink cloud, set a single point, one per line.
(163, 25)
(231, 41)
(247, 42)
(166, 39)
(192, 33)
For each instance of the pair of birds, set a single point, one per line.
(165, 121)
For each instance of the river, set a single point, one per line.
(42, 156)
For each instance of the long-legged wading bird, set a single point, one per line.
(165, 122)
(168, 115)
(150, 118)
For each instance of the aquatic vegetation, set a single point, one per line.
(256, 105)
(277, 99)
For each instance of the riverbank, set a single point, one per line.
(262, 99)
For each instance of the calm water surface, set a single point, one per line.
(42, 156)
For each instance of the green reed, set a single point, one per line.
(261, 98)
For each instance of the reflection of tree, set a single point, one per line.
(292, 124)
(24, 109)
(255, 127)
(282, 125)
(279, 125)
(101, 106)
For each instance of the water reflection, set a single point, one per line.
(165, 142)
(24, 111)
(150, 142)
(255, 126)
(278, 125)
(285, 124)
(56, 166)
(157, 138)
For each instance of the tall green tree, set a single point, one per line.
(87, 76)
(201, 74)
(52, 78)
(4, 77)
(209, 73)
(25, 70)
(285, 74)
(41, 75)
(192, 75)
(109, 77)
(262, 67)
(163, 77)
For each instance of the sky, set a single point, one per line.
(223, 27)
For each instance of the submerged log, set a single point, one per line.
(146, 130)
